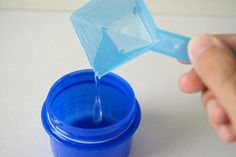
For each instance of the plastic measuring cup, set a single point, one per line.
(112, 32)
(68, 108)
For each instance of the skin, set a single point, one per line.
(214, 75)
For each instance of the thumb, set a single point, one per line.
(216, 66)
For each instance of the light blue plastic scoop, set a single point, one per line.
(113, 32)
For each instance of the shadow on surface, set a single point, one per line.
(159, 132)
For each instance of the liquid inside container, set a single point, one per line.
(67, 116)
(112, 32)
(88, 123)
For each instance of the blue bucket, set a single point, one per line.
(71, 100)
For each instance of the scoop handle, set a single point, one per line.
(173, 45)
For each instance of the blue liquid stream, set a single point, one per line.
(97, 107)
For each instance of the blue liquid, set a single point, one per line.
(87, 123)
(121, 41)
(109, 56)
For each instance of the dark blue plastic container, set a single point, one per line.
(71, 99)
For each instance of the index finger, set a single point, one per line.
(228, 39)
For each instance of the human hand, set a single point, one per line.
(214, 74)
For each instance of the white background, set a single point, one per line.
(158, 7)
(36, 48)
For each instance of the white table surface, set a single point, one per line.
(36, 48)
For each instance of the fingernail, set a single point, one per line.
(211, 105)
(225, 133)
(198, 45)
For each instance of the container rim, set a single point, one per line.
(86, 136)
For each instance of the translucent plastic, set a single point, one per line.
(112, 32)
(67, 116)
